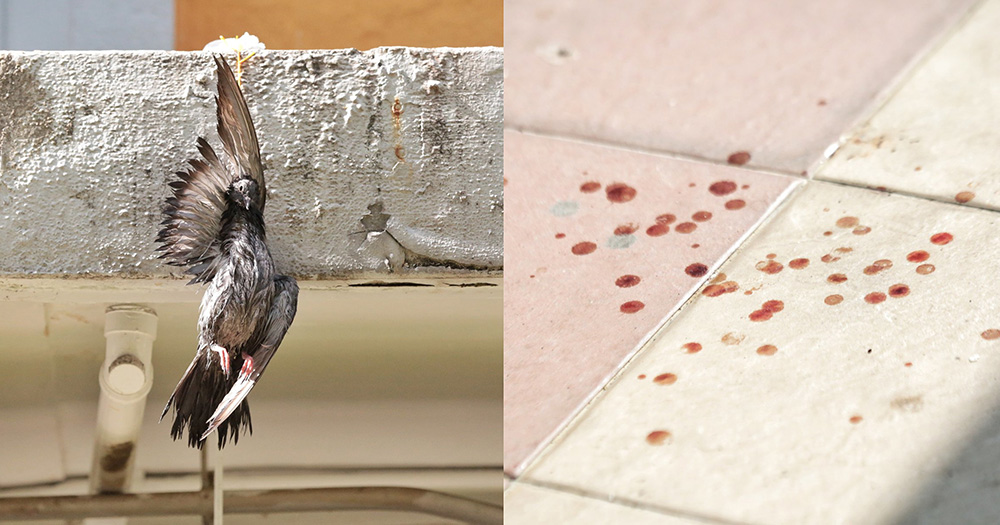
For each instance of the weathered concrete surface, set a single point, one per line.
(89, 141)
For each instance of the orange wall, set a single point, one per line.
(331, 24)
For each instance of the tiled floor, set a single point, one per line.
(842, 365)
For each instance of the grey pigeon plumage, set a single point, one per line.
(215, 226)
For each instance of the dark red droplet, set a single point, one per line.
(773, 306)
(770, 256)
(991, 334)
(657, 437)
(964, 196)
(918, 256)
(642, 376)
(861, 230)
(735, 204)
(833, 299)
(907, 364)
(760, 315)
(941, 238)
(715, 290)
(620, 192)
(701, 216)
(798, 264)
(692, 348)
(590, 187)
(739, 158)
(627, 281)
(875, 298)
(827, 234)
(847, 222)
(696, 245)
(626, 229)
(685, 227)
(657, 230)
(855, 420)
(925, 269)
(767, 350)
(666, 218)
(560, 235)
(723, 187)
(583, 248)
(631, 307)
(899, 290)
(696, 270)
(829, 258)
(665, 379)
(836, 278)
(770, 267)
(878, 266)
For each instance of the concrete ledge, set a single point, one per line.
(401, 139)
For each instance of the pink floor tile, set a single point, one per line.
(778, 80)
(601, 245)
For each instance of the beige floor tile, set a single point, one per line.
(527, 504)
(939, 135)
(601, 245)
(851, 375)
(780, 80)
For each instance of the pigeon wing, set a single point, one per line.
(236, 130)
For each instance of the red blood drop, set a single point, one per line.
(847, 222)
(590, 187)
(735, 204)
(657, 437)
(767, 350)
(631, 307)
(657, 230)
(685, 227)
(666, 218)
(739, 158)
(991, 334)
(855, 420)
(769, 267)
(620, 192)
(692, 348)
(875, 298)
(773, 306)
(837, 278)
(560, 235)
(665, 379)
(715, 290)
(627, 281)
(583, 248)
(701, 216)
(918, 256)
(760, 315)
(723, 187)
(626, 229)
(798, 264)
(941, 238)
(696, 269)
(899, 290)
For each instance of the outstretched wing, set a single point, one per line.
(260, 348)
(236, 129)
(190, 233)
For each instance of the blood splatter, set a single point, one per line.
(733, 339)
(631, 307)
(560, 235)
(991, 334)
(836, 278)
(844, 249)
(964, 196)
(770, 256)
(941, 238)
(899, 290)
(620, 192)
(583, 248)
(925, 269)
(665, 379)
(686, 227)
(878, 266)
(861, 230)
(769, 267)
(701, 216)
(590, 187)
(692, 348)
(833, 299)
(722, 187)
(847, 222)
(696, 245)
(829, 258)
(642, 376)
(827, 233)
(657, 437)
(696, 269)
(719, 277)
(907, 364)
(855, 419)
(715, 290)
(735, 204)
(739, 158)
(627, 281)
(798, 264)
(760, 315)
(626, 229)
(767, 350)
(773, 306)
(657, 230)
(917, 256)
(875, 298)
(666, 218)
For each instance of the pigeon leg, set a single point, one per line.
(223, 357)
(247, 365)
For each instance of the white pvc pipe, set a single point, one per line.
(126, 377)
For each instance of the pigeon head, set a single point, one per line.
(244, 192)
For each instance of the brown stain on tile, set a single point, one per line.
(620, 192)
(657, 437)
(665, 379)
(696, 269)
(767, 350)
(964, 196)
(908, 403)
(691, 348)
(583, 248)
(722, 187)
(631, 307)
(735, 204)
(686, 227)
(627, 281)
(590, 187)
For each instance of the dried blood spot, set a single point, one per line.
(767, 350)
(964, 196)
(696, 245)
(855, 420)
(991, 334)
(770, 267)
(829, 258)
(836, 278)
(686, 227)
(620, 192)
(590, 187)
(626, 229)
(696, 270)
(844, 249)
(833, 299)
(847, 222)
(827, 234)
(583, 248)
(657, 437)
(642, 376)
(861, 230)
(627, 281)
(560, 235)
(770, 256)
(798, 264)
(917, 256)
(631, 307)
(701, 216)
(739, 158)
(925, 269)
(878, 266)
(666, 218)
(733, 339)
(899, 290)
(657, 230)
(875, 298)
(715, 290)
(665, 379)
(723, 187)
(692, 348)
(735, 204)
(941, 238)
(719, 277)
(760, 315)
(773, 306)
(907, 364)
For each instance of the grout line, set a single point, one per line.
(938, 199)
(569, 423)
(626, 502)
